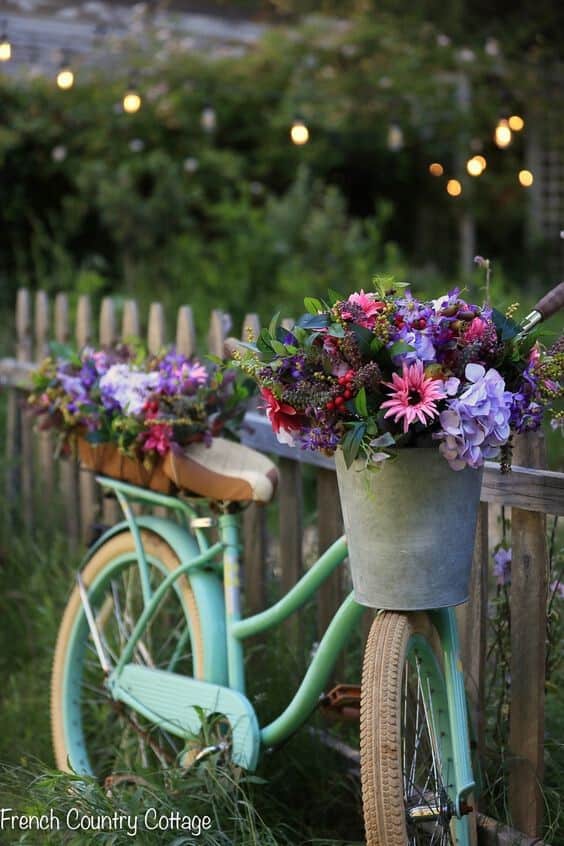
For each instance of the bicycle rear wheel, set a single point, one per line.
(406, 745)
(93, 734)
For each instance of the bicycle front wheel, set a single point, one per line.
(406, 745)
(93, 734)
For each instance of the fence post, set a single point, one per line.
(68, 469)
(45, 438)
(87, 484)
(130, 327)
(107, 332)
(156, 331)
(528, 652)
(25, 422)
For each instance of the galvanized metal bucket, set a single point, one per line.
(410, 528)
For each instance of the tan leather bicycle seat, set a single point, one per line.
(225, 471)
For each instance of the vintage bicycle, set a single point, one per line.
(152, 638)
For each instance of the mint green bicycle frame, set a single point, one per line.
(223, 687)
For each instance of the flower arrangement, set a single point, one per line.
(144, 405)
(378, 370)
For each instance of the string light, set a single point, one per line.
(208, 119)
(436, 169)
(131, 101)
(516, 123)
(299, 133)
(474, 165)
(482, 161)
(5, 46)
(526, 178)
(65, 78)
(395, 138)
(502, 134)
(454, 188)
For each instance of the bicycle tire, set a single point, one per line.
(405, 741)
(77, 746)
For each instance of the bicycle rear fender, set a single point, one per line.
(206, 586)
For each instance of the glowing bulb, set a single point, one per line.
(5, 49)
(208, 119)
(436, 169)
(299, 133)
(474, 166)
(526, 178)
(454, 188)
(482, 161)
(65, 79)
(502, 134)
(395, 138)
(516, 123)
(131, 102)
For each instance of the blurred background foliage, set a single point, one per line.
(200, 196)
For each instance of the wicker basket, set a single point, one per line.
(107, 460)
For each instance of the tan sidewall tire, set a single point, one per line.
(121, 544)
(380, 724)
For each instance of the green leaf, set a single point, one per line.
(334, 296)
(360, 403)
(363, 336)
(313, 305)
(313, 321)
(64, 351)
(336, 330)
(505, 325)
(400, 347)
(278, 347)
(376, 345)
(273, 325)
(264, 341)
(352, 442)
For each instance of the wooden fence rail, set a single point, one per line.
(530, 491)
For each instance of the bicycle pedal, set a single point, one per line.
(342, 702)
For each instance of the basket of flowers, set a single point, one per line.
(130, 415)
(411, 396)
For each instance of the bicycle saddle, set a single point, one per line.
(225, 471)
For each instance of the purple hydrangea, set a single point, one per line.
(127, 389)
(475, 424)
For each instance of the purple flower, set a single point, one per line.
(475, 424)
(557, 588)
(502, 566)
(527, 407)
(424, 349)
(319, 437)
(127, 389)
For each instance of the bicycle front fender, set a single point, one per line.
(206, 586)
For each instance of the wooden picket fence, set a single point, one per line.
(529, 491)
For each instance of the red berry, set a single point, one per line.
(339, 401)
(421, 323)
(350, 374)
(347, 395)
(330, 405)
(342, 380)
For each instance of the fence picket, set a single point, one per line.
(528, 653)
(107, 332)
(89, 503)
(68, 469)
(185, 331)
(156, 332)
(130, 324)
(25, 353)
(217, 330)
(45, 441)
(41, 325)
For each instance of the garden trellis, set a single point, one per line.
(531, 493)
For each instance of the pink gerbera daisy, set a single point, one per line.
(413, 396)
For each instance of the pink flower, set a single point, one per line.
(475, 330)
(158, 438)
(283, 418)
(367, 303)
(534, 354)
(413, 396)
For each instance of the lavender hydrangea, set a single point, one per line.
(475, 424)
(127, 388)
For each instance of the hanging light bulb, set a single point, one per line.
(131, 101)
(516, 123)
(299, 133)
(5, 46)
(208, 119)
(65, 76)
(502, 134)
(454, 188)
(436, 169)
(526, 178)
(482, 161)
(474, 166)
(395, 138)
